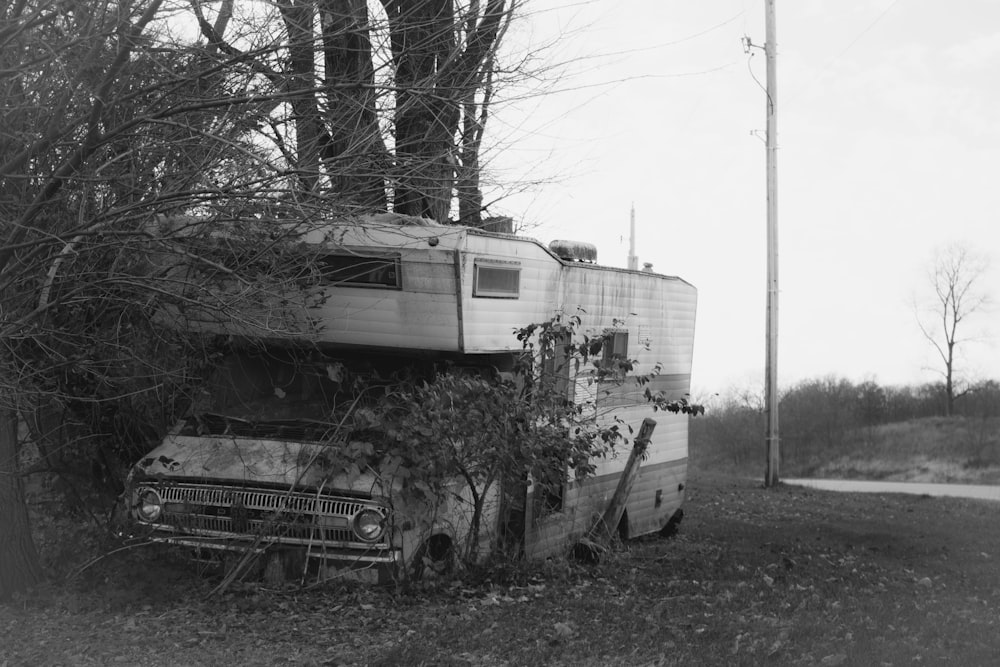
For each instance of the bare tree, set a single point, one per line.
(956, 278)
(106, 130)
(392, 114)
(54, 90)
(126, 153)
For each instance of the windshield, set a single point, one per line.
(273, 385)
(296, 394)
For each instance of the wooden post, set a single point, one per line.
(605, 527)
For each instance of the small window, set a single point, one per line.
(616, 346)
(549, 499)
(361, 270)
(614, 354)
(501, 281)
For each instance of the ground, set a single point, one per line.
(782, 576)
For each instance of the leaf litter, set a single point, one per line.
(781, 576)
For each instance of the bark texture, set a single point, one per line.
(19, 565)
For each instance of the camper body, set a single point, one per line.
(429, 296)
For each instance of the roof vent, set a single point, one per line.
(574, 251)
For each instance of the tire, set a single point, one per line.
(673, 524)
(434, 558)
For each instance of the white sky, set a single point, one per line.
(889, 137)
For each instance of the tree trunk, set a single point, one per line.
(475, 73)
(435, 77)
(19, 565)
(949, 386)
(427, 112)
(356, 157)
(311, 138)
(470, 195)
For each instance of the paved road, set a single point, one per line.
(921, 488)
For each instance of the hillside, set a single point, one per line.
(935, 449)
(932, 449)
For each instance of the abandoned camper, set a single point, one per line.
(256, 466)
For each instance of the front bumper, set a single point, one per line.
(225, 516)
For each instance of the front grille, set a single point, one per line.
(276, 516)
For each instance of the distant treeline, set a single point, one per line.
(822, 416)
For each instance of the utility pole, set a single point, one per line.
(771, 357)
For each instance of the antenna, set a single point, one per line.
(633, 261)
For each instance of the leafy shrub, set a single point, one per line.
(492, 429)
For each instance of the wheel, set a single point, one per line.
(435, 557)
(673, 524)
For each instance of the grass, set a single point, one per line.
(783, 576)
(938, 449)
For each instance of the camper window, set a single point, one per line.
(361, 270)
(497, 280)
(549, 499)
(615, 347)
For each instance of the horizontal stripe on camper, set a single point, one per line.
(669, 478)
(669, 441)
(555, 533)
(370, 318)
(630, 392)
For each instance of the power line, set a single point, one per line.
(830, 61)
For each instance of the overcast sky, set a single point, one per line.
(889, 137)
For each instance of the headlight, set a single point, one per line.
(149, 507)
(369, 525)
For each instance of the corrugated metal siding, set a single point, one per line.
(489, 323)
(584, 502)
(655, 309)
(556, 532)
(669, 479)
(630, 392)
(659, 314)
(395, 319)
(421, 315)
(669, 441)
